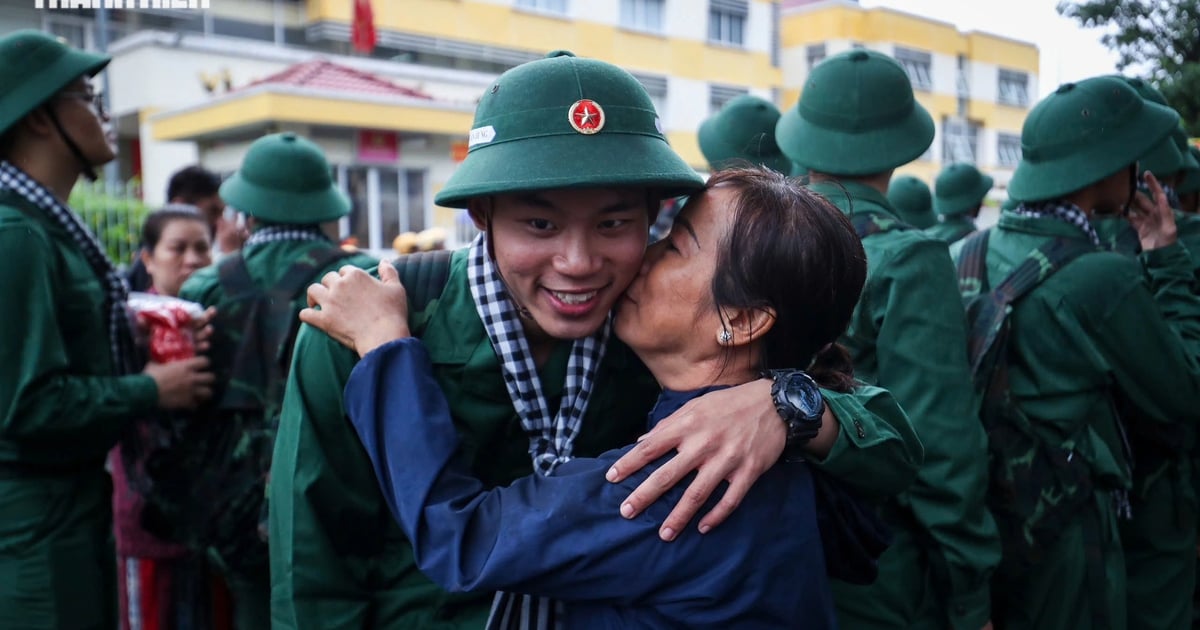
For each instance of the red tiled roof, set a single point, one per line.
(326, 75)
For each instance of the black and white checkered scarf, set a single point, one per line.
(276, 233)
(1062, 210)
(120, 330)
(551, 438)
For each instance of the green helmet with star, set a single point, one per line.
(566, 122)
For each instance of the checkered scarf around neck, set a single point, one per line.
(120, 328)
(1062, 210)
(551, 437)
(277, 233)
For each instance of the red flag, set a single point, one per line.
(362, 33)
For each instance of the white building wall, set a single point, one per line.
(687, 103)
(685, 19)
(758, 27)
(985, 81)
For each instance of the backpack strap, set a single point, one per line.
(424, 276)
(1039, 265)
(234, 277)
(868, 223)
(972, 265)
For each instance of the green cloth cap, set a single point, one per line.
(35, 66)
(566, 122)
(856, 116)
(743, 131)
(284, 178)
(912, 200)
(1082, 133)
(960, 188)
(1191, 178)
(1009, 204)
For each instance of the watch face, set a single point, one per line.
(802, 393)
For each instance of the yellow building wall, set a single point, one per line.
(502, 26)
(1002, 52)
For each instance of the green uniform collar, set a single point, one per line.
(858, 192)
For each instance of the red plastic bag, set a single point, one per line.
(168, 325)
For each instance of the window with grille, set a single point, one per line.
(1014, 88)
(918, 65)
(1008, 149)
(816, 54)
(721, 94)
(960, 140)
(727, 22)
(642, 15)
(656, 87)
(545, 6)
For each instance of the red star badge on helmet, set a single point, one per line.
(586, 116)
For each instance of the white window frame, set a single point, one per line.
(549, 7)
(919, 66)
(1013, 88)
(1008, 149)
(727, 27)
(643, 15)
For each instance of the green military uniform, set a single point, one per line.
(337, 558)
(1160, 538)
(912, 200)
(958, 192)
(62, 404)
(857, 117)
(1123, 336)
(284, 183)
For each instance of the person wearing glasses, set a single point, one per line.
(70, 380)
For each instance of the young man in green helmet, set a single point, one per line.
(913, 201)
(1104, 337)
(855, 122)
(958, 196)
(70, 384)
(565, 169)
(1159, 536)
(285, 187)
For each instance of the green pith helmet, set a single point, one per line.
(1009, 204)
(1082, 133)
(743, 131)
(856, 116)
(33, 67)
(912, 200)
(959, 189)
(566, 122)
(1191, 179)
(285, 178)
(1164, 158)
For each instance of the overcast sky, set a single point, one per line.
(1068, 51)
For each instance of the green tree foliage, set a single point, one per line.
(1160, 37)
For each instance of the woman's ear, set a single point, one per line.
(746, 325)
(146, 255)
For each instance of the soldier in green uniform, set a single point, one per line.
(912, 201)
(958, 196)
(565, 169)
(69, 374)
(856, 121)
(284, 186)
(1108, 335)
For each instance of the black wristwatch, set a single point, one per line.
(800, 404)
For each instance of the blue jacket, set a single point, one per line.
(563, 537)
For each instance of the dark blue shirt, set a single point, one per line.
(562, 536)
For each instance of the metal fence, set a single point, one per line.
(114, 211)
